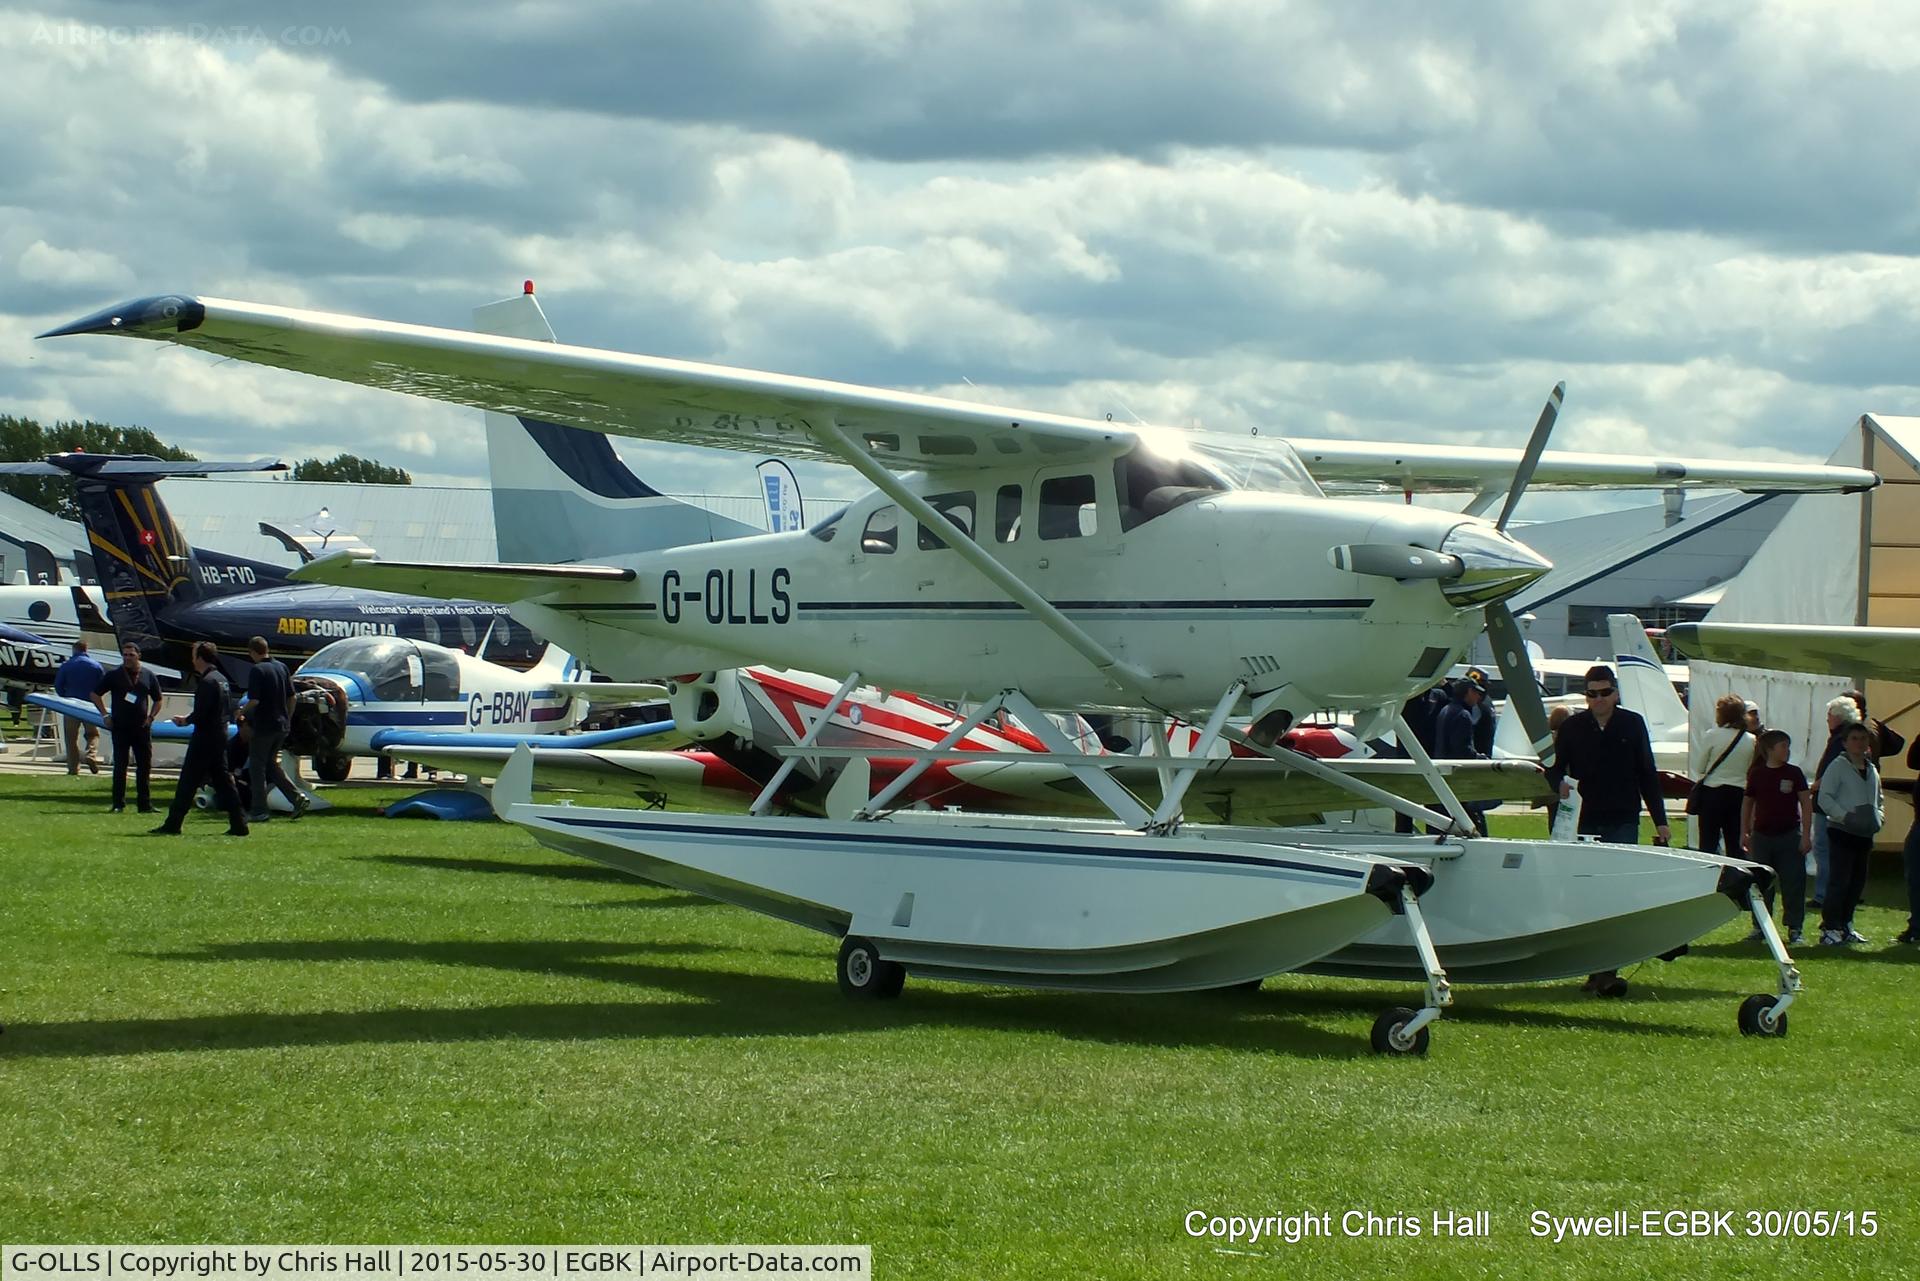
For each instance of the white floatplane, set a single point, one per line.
(1027, 561)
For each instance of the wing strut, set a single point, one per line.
(808, 739)
(1124, 675)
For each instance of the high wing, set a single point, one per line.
(1880, 653)
(502, 584)
(1352, 465)
(646, 397)
(683, 402)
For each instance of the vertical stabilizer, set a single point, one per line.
(561, 494)
(1644, 686)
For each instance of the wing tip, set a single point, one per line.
(151, 317)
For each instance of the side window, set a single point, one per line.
(1067, 507)
(956, 507)
(882, 534)
(1006, 514)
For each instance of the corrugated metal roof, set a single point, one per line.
(400, 522)
(22, 523)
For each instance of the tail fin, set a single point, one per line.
(1644, 686)
(561, 494)
(143, 561)
(556, 664)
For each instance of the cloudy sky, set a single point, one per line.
(1396, 222)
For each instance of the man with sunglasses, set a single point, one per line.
(1607, 749)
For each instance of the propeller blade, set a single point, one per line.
(1516, 669)
(1536, 444)
(1395, 560)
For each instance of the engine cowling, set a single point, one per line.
(709, 706)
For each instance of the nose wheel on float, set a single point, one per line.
(1402, 1031)
(1761, 1014)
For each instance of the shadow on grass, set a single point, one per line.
(1811, 953)
(733, 1004)
(553, 871)
(75, 800)
(1516, 1006)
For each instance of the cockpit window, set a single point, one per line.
(1264, 463)
(395, 670)
(956, 507)
(1067, 507)
(1149, 485)
(824, 530)
(882, 534)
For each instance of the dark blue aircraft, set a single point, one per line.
(164, 595)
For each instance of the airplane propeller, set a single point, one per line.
(1503, 630)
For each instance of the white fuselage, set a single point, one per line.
(1238, 585)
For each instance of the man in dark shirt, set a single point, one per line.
(206, 760)
(1607, 749)
(79, 678)
(269, 698)
(130, 699)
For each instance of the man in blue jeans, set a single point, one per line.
(1607, 749)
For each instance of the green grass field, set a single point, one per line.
(362, 1030)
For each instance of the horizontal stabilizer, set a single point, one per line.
(612, 691)
(126, 466)
(502, 584)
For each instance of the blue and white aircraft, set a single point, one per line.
(366, 695)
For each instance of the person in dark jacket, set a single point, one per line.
(130, 700)
(269, 698)
(1457, 732)
(206, 760)
(1421, 713)
(1607, 749)
(79, 679)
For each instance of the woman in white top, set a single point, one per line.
(1719, 767)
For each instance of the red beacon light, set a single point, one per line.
(527, 288)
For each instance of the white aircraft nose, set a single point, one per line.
(1494, 566)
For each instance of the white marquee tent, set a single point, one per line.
(1834, 559)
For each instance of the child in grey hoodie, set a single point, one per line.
(1850, 798)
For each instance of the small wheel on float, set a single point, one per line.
(1390, 1037)
(1758, 1019)
(864, 974)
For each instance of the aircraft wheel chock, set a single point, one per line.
(864, 974)
(1389, 1036)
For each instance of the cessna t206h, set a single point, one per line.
(1030, 560)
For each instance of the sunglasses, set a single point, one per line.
(1602, 693)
